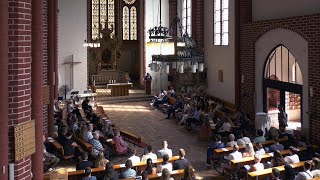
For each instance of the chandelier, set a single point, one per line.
(159, 33)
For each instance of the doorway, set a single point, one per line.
(282, 87)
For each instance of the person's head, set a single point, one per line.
(259, 132)
(109, 170)
(117, 133)
(257, 158)
(149, 149)
(128, 164)
(231, 137)
(189, 172)
(276, 140)
(275, 173)
(69, 135)
(277, 155)
(165, 144)
(315, 163)
(165, 158)
(165, 174)
(133, 152)
(148, 74)
(96, 135)
(235, 148)
(149, 166)
(217, 138)
(307, 165)
(87, 171)
(259, 146)
(249, 149)
(64, 130)
(90, 128)
(182, 153)
(292, 150)
(85, 156)
(100, 156)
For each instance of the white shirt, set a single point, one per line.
(260, 152)
(304, 175)
(235, 155)
(87, 136)
(161, 167)
(135, 159)
(258, 166)
(231, 143)
(225, 127)
(152, 156)
(292, 159)
(165, 151)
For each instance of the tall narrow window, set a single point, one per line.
(221, 22)
(126, 23)
(129, 20)
(186, 17)
(102, 12)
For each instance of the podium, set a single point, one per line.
(263, 121)
(148, 87)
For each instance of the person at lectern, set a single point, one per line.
(148, 77)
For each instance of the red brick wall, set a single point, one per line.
(19, 76)
(198, 22)
(308, 27)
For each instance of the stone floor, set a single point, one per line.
(143, 120)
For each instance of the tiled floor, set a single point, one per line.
(143, 120)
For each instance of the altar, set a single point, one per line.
(120, 89)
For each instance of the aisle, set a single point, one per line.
(141, 119)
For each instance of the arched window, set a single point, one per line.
(102, 12)
(282, 64)
(186, 17)
(129, 23)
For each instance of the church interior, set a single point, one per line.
(160, 89)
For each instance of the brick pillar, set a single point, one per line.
(45, 62)
(36, 85)
(56, 80)
(19, 85)
(198, 22)
(3, 88)
(51, 61)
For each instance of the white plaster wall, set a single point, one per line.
(299, 49)
(159, 79)
(219, 57)
(276, 9)
(72, 31)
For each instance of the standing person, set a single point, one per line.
(282, 117)
(148, 77)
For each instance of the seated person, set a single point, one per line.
(97, 146)
(260, 149)
(225, 130)
(85, 105)
(277, 160)
(121, 146)
(293, 156)
(69, 145)
(306, 173)
(100, 161)
(195, 117)
(276, 175)
(87, 174)
(84, 163)
(315, 167)
(62, 135)
(249, 151)
(49, 160)
(110, 173)
(188, 110)
(150, 155)
(291, 140)
(86, 133)
(165, 164)
(260, 137)
(214, 144)
(276, 146)
(234, 155)
(128, 172)
(171, 109)
(165, 174)
(189, 173)
(232, 141)
(150, 169)
(165, 150)
(161, 100)
(134, 159)
(182, 162)
(257, 166)
(56, 110)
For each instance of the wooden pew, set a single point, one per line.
(268, 172)
(228, 150)
(97, 171)
(264, 158)
(171, 100)
(87, 146)
(60, 149)
(132, 138)
(178, 174)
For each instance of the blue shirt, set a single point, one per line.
(128, 173)
(197, 115)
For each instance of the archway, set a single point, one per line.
(298, 47)
(282, 86)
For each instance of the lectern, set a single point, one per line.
(148, 87)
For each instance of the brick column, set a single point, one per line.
(51, 61)
(4, 15)
(19, 85)
(56, 80)
(36, 85)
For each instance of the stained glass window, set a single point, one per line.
(102, 10)
(126, 23)
(133, 23)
